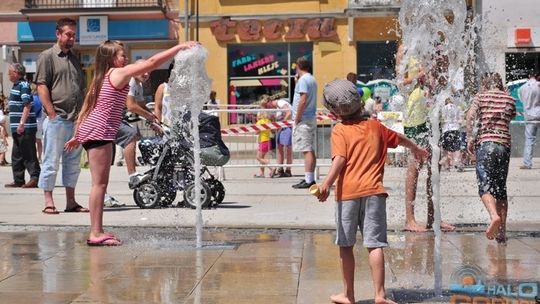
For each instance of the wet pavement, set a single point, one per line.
(267, 243)
(241, 266)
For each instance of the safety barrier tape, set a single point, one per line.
(325, 116)
(254, 128)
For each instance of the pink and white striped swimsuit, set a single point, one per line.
(104, 119)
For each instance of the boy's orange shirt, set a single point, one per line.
(363, 144)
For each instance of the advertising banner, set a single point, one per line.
(93, 30)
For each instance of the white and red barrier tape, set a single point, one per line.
(253, 128)
(257, 128)
(325, 116)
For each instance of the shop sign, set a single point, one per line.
(29, 61)
(93, 30)
(252, 65)
(263, 65)
(523, 37)
(273, 29)
(272, 59)
(97, 30)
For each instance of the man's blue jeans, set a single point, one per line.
(530, 141)
(56, 133)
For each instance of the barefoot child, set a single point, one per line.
(359, 148)
(100, 119)
(494, 109)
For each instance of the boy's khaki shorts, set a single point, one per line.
(367, 213)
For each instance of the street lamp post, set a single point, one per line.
(186, 20)
(197, 20)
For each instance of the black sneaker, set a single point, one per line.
(303, 185)
(277, 173)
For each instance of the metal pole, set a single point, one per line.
(2, 85)
(186, 20)
(197, 20)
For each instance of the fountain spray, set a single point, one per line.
(436, 42)
(190, 88)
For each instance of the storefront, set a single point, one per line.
(515, 48)
(523, 54)
(518, 64)
(255, 70)
(252, 52)
(142, 39)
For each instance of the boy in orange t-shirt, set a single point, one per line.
(359, 146)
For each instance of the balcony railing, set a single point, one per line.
(78, 4)
(374, 3)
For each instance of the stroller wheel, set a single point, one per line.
(147, 195)
(189, 196)
(218, 190)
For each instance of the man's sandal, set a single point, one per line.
(77, 208)
(50, 210)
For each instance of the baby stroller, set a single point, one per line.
(172, 161)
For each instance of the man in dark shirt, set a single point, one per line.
(60, 81)
(22, 121)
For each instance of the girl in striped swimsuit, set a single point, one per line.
(100, 119)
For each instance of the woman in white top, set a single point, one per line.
(284, 137)
(162, 100)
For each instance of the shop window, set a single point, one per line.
(254, 70)
(518, 65)
(375, 60)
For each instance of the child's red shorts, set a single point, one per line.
(264, 146)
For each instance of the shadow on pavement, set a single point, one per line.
(419, 296)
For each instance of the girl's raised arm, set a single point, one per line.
(158, 102)
(120, 76)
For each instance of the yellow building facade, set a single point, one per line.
(253, 46)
